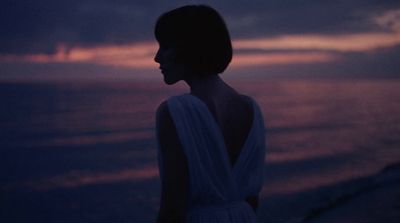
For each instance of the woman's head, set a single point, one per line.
(199, 38)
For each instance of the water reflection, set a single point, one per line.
(76, 136)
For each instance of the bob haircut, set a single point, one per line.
(200, 37)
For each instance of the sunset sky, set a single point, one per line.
(275, 38)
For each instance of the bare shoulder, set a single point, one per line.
(167, 134)
(165, 127)
(174, 183)
(162, 111)
(163, 118)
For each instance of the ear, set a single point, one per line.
(177, 56)
(181, 60)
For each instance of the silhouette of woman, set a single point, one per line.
(211, 141)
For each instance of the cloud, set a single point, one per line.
(340, 43)
(272, 59)
(140, 56)
(389, 20)
(41, 26)
(303, 49)
(266, 51)
(265, 33)
(137, 55)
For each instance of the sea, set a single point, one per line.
(85, 151)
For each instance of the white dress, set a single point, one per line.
(217, 191)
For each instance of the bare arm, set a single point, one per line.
(174, 185)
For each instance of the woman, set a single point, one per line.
(211, 141)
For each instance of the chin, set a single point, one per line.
(170, 82)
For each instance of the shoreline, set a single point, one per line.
(324, 204)
(379, 185)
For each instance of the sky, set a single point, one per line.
(91, 39)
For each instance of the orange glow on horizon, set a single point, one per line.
(340, 43)
(299, 49)
(246, 60)
(137, 55)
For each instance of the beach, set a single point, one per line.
(86, 151)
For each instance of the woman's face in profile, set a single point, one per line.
(172, 70)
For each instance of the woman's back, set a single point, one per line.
(234, 114)
(215, 184)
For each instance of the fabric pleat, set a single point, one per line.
(217, 190)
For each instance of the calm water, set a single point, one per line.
(85, 152)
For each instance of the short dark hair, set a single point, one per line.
(200, 36)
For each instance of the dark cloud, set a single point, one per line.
(268, 18)
(38, 26)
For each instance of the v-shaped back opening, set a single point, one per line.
(220, 133)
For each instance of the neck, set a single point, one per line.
(203, 84)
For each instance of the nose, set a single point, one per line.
(157, 57)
